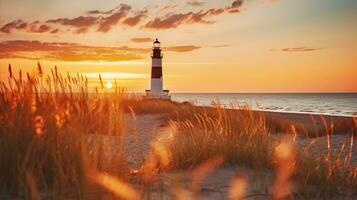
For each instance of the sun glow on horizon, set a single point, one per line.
(115, 75)
(109, 85)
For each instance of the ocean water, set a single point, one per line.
(328, 104)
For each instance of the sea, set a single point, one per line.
(337, 104)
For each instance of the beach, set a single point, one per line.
(151, 127)
(143, 131)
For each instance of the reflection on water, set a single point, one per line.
(330, 104)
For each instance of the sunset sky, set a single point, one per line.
(245, 46)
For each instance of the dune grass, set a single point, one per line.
(241, 137)
(48, 122)
(244, 138)
(43, 142)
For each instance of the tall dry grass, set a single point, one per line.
(201, 133)
(244, 138)
(327, 175)
(45, 121)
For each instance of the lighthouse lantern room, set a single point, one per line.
(157, 91)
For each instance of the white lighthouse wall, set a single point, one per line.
(156, 87)
(156, 62)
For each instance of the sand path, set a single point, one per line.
(140, 132)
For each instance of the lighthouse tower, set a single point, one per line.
(157, 90)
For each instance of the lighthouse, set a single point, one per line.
(157, 89)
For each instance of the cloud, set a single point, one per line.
(141, 40)
(80, 21)
(14, 25)
(298, 49)
(41, 29)
(235, 7)
(54, 31)
(185, 48)
(108, 22)
(79, 24)
(167, 8)
(171, 21)
(67, 51)
(134, 20)
(175, 20)
(98, 12)
(237, 4)
(104, 21)
(63, 51)
(196, 3)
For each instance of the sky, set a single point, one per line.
(209, 46)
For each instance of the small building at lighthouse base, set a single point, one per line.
(164, 95)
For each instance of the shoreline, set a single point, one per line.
(308, 124)
(300, 116)
(304, 117)
(307, 113)
(284, 111)
(312, 125)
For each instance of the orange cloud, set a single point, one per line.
(63, 51)
(201, 17)
(237, 4)
(175, 20)
(134, 20)
(98, 12)
(108, 22)
(185, 48)
(14, 25)
(298, 49)
(142, 40)
(104, 21)
(80, 21)
(40, 29)
(66, 51)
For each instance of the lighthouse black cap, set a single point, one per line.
(156, 51)
(157, 41)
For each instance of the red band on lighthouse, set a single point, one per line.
(156, 72)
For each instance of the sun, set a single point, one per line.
(109, 85)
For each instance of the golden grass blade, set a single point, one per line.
(32, 186)
(238, 188)
(182, 194)
(285, 158)
(116, 186)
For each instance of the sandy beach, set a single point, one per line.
(144, 130)
(150, 127)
